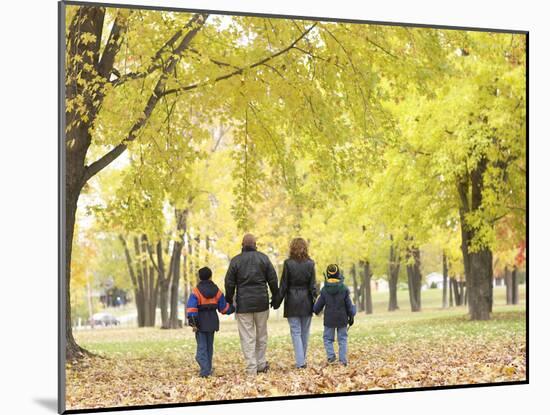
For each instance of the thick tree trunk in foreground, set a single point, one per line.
(414, 279)
(367, 275)
(95, 70)
(72, 349)
(393, 275)
(445, 304)
(89, 20)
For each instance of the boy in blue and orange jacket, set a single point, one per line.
(204, 302)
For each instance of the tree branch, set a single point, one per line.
(105, 65)
(239, 71)
(194, 25)
(156, 62)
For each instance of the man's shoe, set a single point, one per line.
(304, 366)
(331, 359)
(264, 369)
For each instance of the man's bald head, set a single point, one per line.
(249, 241)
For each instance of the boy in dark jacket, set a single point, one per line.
(339, 312)
(205, 299)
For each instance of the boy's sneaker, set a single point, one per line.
(304, 366)
(344, 363)
(331, 360)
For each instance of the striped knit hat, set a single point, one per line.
(333, 274)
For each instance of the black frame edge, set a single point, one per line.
(61, 211)
(296, 17)
(294, 397)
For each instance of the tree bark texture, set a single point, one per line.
(393, 275)
(414, 278)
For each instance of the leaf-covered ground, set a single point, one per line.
(397, 350)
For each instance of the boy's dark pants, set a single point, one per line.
(205, 351)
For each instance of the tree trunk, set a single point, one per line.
(479, 286)
(515, 286)
(355, 287)
(414, 279)
(153, 283)
(90, 303)
(164, 285)
(478, 265)
(72, 349)
(143, 265)
(181, 220)
(457, 292)
(508, 282)
(95, 71)
(367, 275)
(186, 287)
(142, 280)
(198, 264)
(445, 304)
(193, 278)
(393, 275)
(451, 299)
(138, 294)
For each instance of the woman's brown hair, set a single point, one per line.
(298, 249)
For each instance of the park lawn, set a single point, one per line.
(401, 349)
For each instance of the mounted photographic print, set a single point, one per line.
(259, 207)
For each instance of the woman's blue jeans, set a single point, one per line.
(299, 332)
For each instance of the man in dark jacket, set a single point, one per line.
(248, 275)
(205, 299)
(339, 313)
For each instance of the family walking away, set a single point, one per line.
(248, 278)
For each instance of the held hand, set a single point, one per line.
(193, 322)
(350, 321)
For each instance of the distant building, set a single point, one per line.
(380, 285)
(435, 279)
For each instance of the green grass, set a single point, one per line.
(433, 324)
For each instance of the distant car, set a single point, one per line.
(104, 319)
